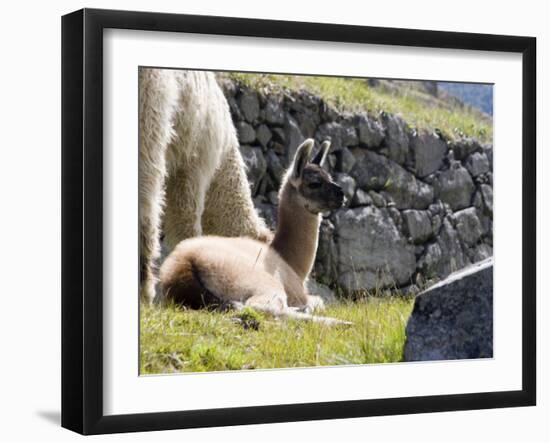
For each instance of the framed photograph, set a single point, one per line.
(270, 221)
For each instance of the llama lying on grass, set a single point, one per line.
(240, 272)
(190, 167)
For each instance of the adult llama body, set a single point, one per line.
(192, 178)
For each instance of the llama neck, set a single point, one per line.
(297, 233)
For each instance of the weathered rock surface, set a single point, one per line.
(376, 172)
(477, 164)
(468, 226)
(345, 160)
(421, 207)
(326, 261)
(454, 318)
(263, 135)
(249, 105)
(428, 152)
(274, 113)
(452, 254)
(371, 250)
(370, 132)
(463, 148)
(340, 135)
(397, 137)
(361, 198)
(455, 187)
(256, 165)
(293, 137)
(245, 133)
(417, 225)
(487, 195)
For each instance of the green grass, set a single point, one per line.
(419, 109)
(177, 340)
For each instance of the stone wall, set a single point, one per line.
(418, 206)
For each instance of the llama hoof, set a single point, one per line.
(147, 292)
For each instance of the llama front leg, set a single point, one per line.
(275, 304)
(185, 196)
(151, 197)
(156, 108)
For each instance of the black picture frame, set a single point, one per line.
(82, 219)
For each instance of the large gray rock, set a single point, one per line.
(255, 164)
(305, 107)
(361, 198)
(345, 161)
(274, 167)
(234, 109)
(378, 200)
(487, 196)
(326, 260)
(468, 226)
(464, 147)
(249, 105)
(245, 132)
(480, 252)
(274, 113)
(397, 137)
(424, 195)
(376, 172)
(370, 132)
(293, 137)
(455, 187)
(263, 135)
(429, 262)
(428, 153)
(452, 255)
(371, 250)
(339, 135)
(454, 318)
(477, 164)
(350, 135)
(417, 225)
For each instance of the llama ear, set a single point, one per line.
(321, 156)
(301, 158)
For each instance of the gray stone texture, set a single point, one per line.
(417, 207)
(428, 152)
(371, 250)
(397, 137)
(455, 187)
(454, 318)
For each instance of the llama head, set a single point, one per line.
(313, 186)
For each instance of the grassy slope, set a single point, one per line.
(418, 108)
(175, 340)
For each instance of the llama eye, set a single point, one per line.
(315, 185)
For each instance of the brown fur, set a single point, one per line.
(243, 271)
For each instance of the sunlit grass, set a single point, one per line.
(177, 340)
(420, 110)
